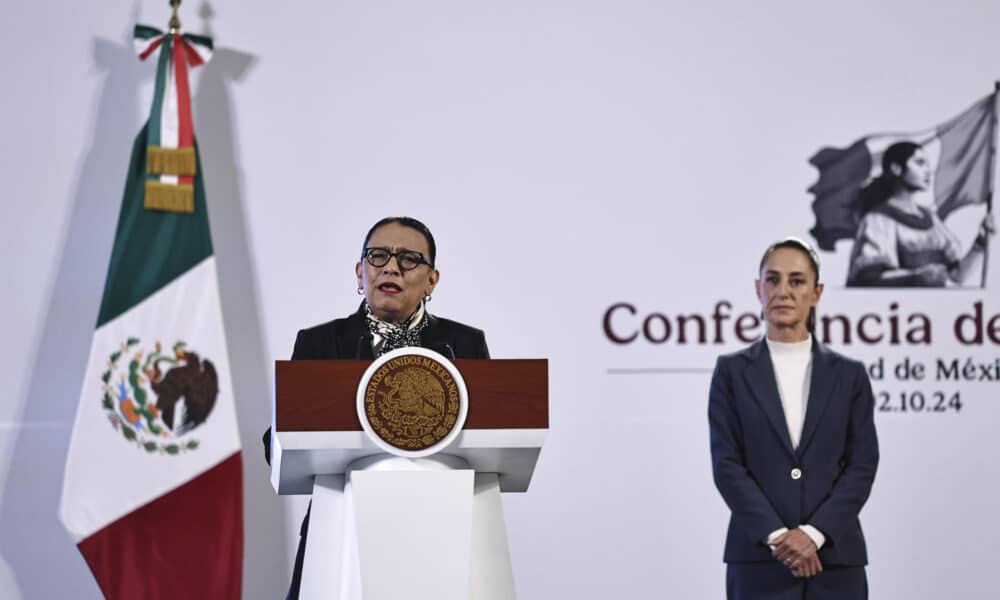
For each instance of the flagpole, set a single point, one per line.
(175, 21)
(989, 196)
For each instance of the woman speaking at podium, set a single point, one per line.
(396, 275)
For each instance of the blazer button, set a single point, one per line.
(796, 473)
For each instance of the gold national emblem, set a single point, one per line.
(412, 402)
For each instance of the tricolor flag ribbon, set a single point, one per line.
(171, 161)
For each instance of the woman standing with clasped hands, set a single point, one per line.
(794, 450)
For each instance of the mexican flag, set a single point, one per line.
(152, 492)
(960, 152)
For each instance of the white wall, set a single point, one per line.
(567, 155)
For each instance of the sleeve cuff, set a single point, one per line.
(814, 534)
(774, 534)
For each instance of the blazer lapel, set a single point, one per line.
(433, 337)
(820, 389)
(356, 341)
(760, 379)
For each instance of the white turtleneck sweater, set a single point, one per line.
(792, 368)
(792, 371)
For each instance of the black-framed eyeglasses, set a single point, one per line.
(406, 259)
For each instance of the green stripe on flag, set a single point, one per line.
(201, 40)
(156, 112)
(145, 32)
(151, 248)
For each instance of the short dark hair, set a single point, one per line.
(804, 247)
(412, 224)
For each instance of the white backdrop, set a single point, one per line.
(567, 156)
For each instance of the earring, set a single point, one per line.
(427, 297)
(361, 291)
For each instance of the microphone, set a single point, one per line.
(448, 351)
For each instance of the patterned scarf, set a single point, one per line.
(390, 336)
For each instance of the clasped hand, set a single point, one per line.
(798, 552)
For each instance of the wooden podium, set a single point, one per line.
(385, 527)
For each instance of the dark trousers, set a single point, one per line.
(300, 554)
(773, 581)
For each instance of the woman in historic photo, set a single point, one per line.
(902, 243)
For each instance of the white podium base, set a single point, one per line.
(407, 528)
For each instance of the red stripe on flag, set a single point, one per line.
(152, 48)
(187, 543)
(194, 59)
(185, 134)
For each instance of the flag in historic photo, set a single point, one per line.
(960, 152)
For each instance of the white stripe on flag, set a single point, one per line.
(142, 46)
(169, 116)
(107, 476)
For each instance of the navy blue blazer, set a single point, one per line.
(753, 459)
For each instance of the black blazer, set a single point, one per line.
(349, 338)
(753, 459)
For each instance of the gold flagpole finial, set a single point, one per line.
(175, 22)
